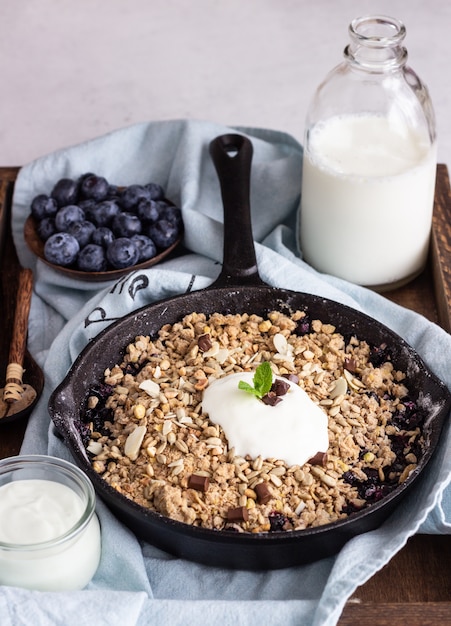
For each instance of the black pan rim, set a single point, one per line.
(239, 289)
(284, 296)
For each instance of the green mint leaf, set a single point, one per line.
(262, 381)
(263, 378)
(246, 387)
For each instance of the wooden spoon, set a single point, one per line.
(17, 397)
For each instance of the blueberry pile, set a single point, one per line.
(91, 225)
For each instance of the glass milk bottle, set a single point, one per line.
(369, 163)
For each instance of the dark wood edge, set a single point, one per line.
(369, 606)
(3, 212)
(396, 613)
(9, 173)
(7, 177)
(441, 247)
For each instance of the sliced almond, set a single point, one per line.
(280, 343)
(133, 442)
(94, 447)
(340, 387)
(213, 350)
(150, 387)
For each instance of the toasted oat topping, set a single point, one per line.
(150, 440)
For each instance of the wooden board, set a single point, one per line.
(415, 586)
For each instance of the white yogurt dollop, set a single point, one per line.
(293, 430)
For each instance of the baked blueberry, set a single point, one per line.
(82, 231)
(163, 233)
(94, 187)
(65, 192)
(61, 249)
(126, 224)
(68, 215)
(146, 247)
(122, 252)
(102, 236)
(43, 206)
(92, 258)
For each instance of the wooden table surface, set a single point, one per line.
(414, 588)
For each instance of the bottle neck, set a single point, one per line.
(376, 44)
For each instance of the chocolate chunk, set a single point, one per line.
(320, 458)
(280, 387)
(204, 342)
(239, 514)
(350, 365)
(264, 495)
(200, 483)
(271, 398)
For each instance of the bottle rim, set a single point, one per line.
(376, 31)
(376, 44)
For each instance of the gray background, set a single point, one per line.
(70, 71)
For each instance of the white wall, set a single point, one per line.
(74, 69)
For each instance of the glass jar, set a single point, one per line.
(49, 532)
(369, 163)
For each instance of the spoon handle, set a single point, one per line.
(14, 371)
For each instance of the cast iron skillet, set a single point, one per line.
(240, 289)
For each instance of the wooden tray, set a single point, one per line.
(415, 587)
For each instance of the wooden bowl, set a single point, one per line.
(36, 245)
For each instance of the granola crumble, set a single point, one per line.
(149, 439)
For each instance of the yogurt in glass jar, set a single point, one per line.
(49, 533)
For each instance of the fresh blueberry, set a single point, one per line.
(126, 224)
(103, 213)
(87, 205)
(82, 231)
(83, 176)
(163, 233)
(172, 214)
(132, 195)
(46, 228)
(148, 210)
(43, 206)
(68, 215)
(102, 236)
(92, 258)
(95, 187)
(65, 192)
(61, 249)
(146, 247)
(113, 191)
(122, 252)
(156, 191)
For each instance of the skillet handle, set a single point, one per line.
(232, 158)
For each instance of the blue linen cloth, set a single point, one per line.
(136, 583)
